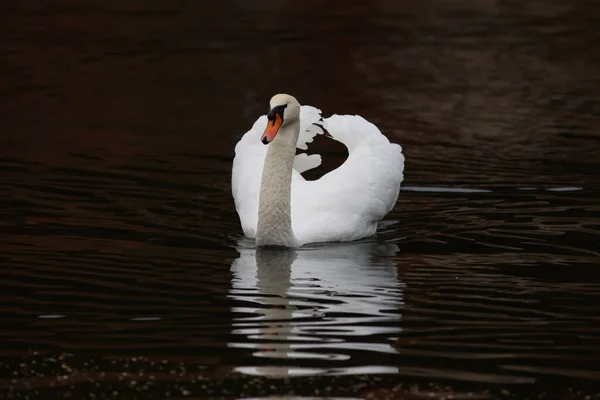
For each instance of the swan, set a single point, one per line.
(278, 207)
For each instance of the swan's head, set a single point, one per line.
(283, 109)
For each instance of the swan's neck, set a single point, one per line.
(274, 208)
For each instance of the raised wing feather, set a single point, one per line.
(347, 203)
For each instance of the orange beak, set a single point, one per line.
(272, 128)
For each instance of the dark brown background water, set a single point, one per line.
(123, 270)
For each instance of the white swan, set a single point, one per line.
(278, 207)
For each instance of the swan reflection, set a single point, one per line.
(320, 303)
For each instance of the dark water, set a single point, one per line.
(124, 272)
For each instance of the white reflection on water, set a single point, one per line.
(321, 303)
(434, 189)
(565, 189)
(297, 371)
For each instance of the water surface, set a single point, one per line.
(124, 271)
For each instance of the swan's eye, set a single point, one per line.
(276, 110)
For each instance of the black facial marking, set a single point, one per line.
(276, 110)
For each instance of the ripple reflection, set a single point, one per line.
(328, 303)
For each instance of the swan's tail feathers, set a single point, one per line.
(303, 162)
(310, 126)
